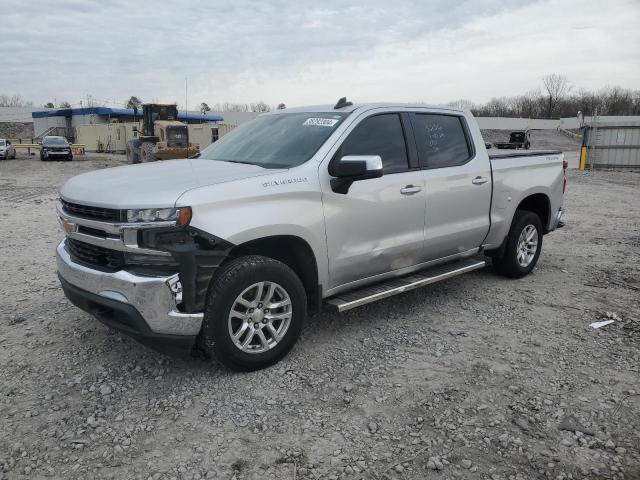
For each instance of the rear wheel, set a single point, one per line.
(147, 153)
(523, 247)
(254, 313)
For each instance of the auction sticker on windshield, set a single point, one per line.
(321, 122)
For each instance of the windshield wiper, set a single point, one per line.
(241, 161)
(266, 166)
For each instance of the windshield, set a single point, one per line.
(275, 141)
(55, 141)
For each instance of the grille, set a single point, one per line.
(94, 255)
(92, 213)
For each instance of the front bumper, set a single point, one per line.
(49, 154)
(143, 307)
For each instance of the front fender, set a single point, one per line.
(254, 208)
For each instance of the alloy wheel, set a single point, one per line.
(260, 317)
(527, 246)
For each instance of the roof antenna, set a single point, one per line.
(342, 103)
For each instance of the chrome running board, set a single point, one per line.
(356, 298)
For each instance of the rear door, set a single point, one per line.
(378, 225)
(457, 183)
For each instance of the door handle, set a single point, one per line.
(479, 180)
(410, 190)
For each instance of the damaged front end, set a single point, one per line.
(145, 277)
(195, 254)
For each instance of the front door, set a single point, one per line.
(378, 225)
(458, 185)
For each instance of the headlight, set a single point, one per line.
(182, 215)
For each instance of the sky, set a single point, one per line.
(312, 52)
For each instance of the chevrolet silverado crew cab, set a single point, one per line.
(302, 207)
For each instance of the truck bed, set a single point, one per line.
(530, 153)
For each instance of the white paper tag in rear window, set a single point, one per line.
(320, 122)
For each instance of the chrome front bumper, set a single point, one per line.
(153, 297)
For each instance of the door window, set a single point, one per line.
(441, 140)
(379, 135)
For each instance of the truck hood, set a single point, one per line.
(153, 185)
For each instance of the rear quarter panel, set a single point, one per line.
(516, 178)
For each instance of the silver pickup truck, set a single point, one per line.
(333, 206)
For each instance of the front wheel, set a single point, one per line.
(255, 311)
(524, 244)
(147, 153)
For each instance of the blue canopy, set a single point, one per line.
(118, 112)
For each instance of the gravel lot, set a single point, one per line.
(478, 377)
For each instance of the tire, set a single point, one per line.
(69, 158)
(146, 152)
(527, 146)
(514, 263)
(132, 156)
(239, 280)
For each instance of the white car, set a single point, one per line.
(6, 149)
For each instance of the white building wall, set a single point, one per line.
(17, 114)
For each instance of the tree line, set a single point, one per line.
(15, 100)
(135, 102)
(557, 98)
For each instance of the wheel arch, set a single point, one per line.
(293, 251)
(540, 204)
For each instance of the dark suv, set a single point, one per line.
(53, 148)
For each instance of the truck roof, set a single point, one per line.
(362, 107)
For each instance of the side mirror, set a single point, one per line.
(487, 145)
(352, 168)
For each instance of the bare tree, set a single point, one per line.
(91, 101)
(462, 104)
(557, 87)
(15, 100)
(133, 103)
(260, 107)
(65, 105)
